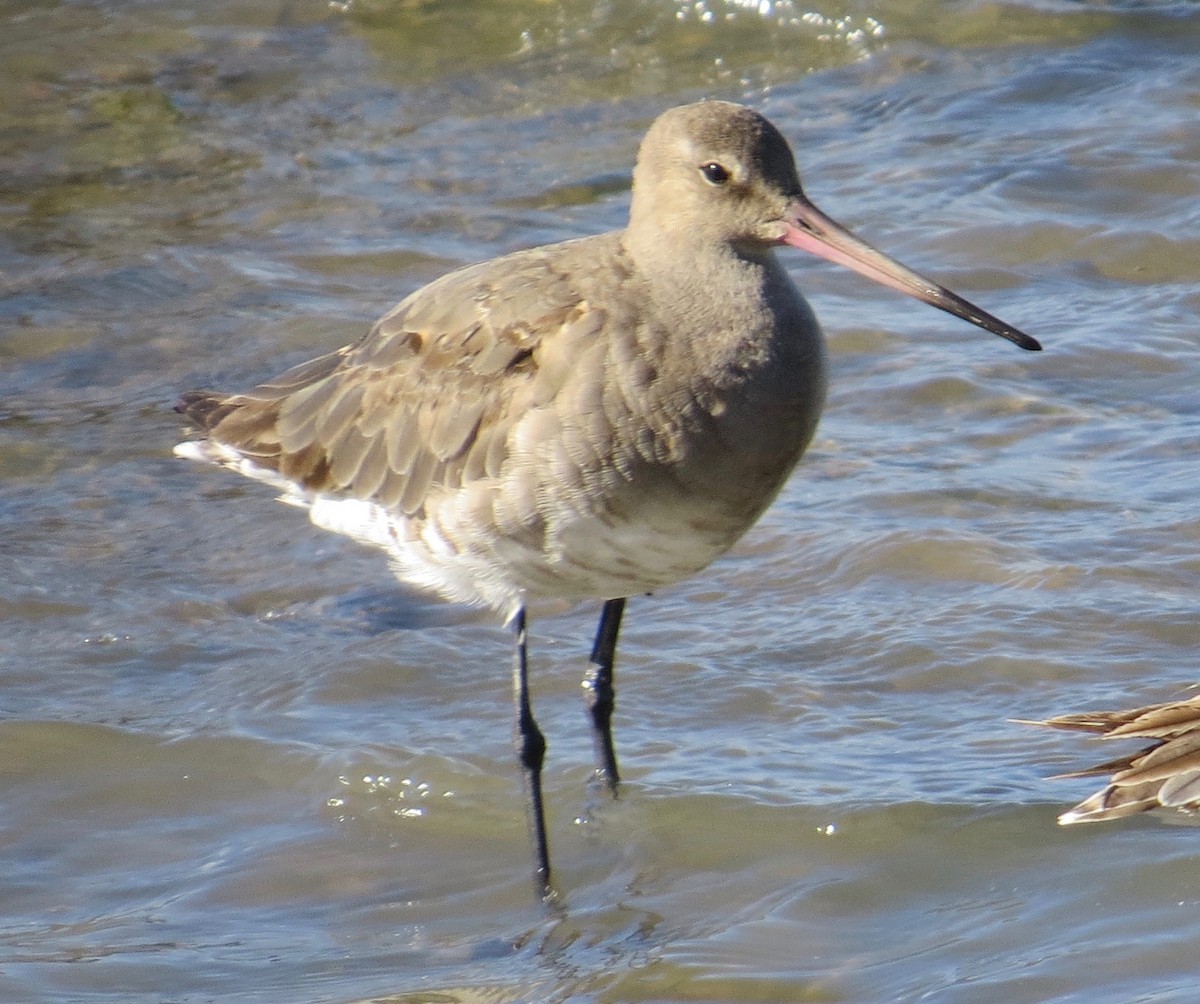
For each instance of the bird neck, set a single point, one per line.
(695, 269)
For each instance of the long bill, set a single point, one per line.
(809, 229)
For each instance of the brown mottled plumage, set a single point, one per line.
(1165, 774)
(583, 421)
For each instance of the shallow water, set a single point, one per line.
(239, 763)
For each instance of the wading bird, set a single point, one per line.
(583, 421)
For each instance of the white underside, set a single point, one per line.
(464, 560)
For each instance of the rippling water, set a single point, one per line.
(239, 763)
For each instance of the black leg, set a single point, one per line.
(598, 687)
(531, 751)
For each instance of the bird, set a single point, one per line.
(1165, 774)
(580, 422)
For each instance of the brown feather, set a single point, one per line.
(1165, 773)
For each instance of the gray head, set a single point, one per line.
(714, 171)
(718, 177)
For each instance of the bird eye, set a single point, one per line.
(714, 173)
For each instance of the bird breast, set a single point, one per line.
(651, 440)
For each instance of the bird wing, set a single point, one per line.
(1165, 773)
(428, 397)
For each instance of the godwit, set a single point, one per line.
(583, 421)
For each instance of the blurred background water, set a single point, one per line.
(239, 763)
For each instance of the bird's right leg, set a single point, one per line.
(601, 694)
(531, 752)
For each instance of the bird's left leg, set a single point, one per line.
(531, 752)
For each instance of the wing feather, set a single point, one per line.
(372, 469)
(430, 397)
(420, 476)
(339, 411)
(454, 428)
(1165, 773)
(347, 457)
(402, 441)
